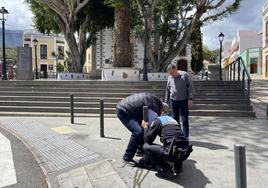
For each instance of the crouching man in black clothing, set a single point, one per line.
(167, 158)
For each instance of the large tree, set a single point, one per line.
(171, 24)
(197, 49)
(122, 47)
(78, 20)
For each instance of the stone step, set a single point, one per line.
(200, 100)
(99, 90)
(111, 83)
(48, 104)
(107, 93)
(77, 111)
(65, 94)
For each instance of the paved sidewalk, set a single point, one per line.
(259, 96)
(18, 167)
(210, 165)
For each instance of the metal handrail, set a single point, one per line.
(233, 73)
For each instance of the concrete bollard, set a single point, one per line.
(240, 166)
(101, 118)
(145, 113)
(72, 108)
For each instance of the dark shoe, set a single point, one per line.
(139, 153)
(187, 152)
(165, 173)
(130, 162)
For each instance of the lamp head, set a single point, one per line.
(35, 41)
(221, 37)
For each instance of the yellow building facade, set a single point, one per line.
(50, 51)
(265, 41)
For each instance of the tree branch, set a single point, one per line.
(80, 5)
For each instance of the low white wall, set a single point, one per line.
(72, 76)
(156, 76)
(120, 74)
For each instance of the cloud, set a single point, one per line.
(248, 17)
(19, 17)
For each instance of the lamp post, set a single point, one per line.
(221, 37)
(35, 41)
(3, 11)
(145, 59)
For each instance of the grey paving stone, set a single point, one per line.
(59, 151)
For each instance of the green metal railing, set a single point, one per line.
(237, 71)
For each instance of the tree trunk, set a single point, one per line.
(122, 47)
(75, 54)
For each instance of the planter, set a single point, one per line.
(156, 76)
(72, 76)
(120, 74)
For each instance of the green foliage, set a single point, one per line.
(172, 24)
(101, 16)
(44, 17)
(197, 51)
(11, 54)
(60, 67)
(208, 54)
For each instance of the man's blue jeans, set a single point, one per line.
(181, 107)
(133, 126)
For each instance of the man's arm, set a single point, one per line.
(189, 87)
(189, 90)
(150, 133)
(167, 96)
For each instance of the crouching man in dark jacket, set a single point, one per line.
(167, 158)
(130, 112)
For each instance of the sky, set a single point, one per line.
(248, 17)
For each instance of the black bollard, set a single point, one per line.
(240, 166)
(145, 113)
(101, 118)
(72, 108)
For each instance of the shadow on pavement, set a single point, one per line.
(191, 176)
(113, 138)
(139, 176)
(208, 145)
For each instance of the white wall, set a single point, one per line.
(248, 39)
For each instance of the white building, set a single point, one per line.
(100, 55)
(265, 41)
(243, 41)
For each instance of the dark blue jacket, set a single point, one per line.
(133, 104)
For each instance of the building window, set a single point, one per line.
(61, 52)
(43, 51)
(26, 45)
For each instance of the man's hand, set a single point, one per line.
(190, 103)
(144, 124)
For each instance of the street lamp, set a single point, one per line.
(35, 41)
(221, 37)
(3, 11)
(145, 59)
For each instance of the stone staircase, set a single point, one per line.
(52, 98)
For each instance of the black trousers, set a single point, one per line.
(156, 155)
